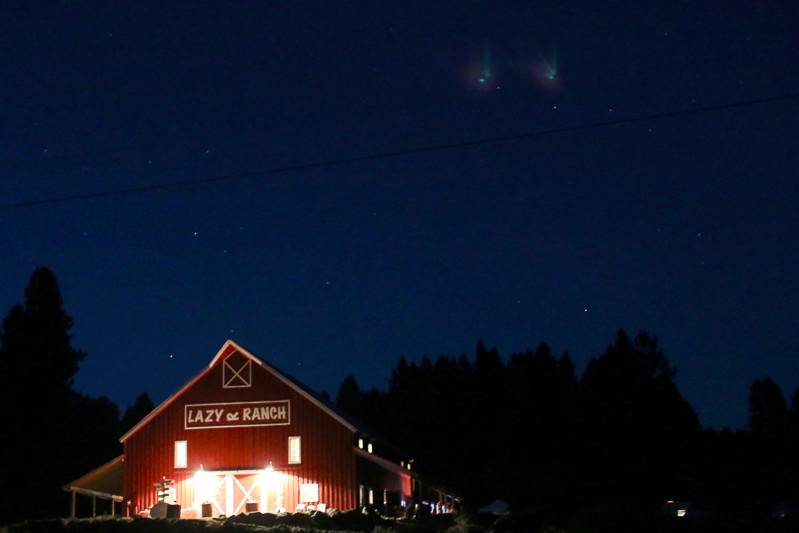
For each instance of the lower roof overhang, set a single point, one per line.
(105, 481)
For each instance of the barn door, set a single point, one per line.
(229, 493)
(214, 492)
(244, 489)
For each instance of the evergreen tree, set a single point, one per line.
(349, 396)
(56, 434)
(767, 408)
(636, 420)
(141, 407)
(38, 366)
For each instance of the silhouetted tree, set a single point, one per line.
(529, 431)
(140, 408)
(54, 434)
(638, 422)
(767, 409)
(349, 396)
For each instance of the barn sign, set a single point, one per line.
(237, 414)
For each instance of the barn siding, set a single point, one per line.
(327, 454)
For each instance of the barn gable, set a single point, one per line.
(237, 369)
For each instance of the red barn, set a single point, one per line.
(241, 436)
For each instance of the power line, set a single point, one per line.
(181, 184)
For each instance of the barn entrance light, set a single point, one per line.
(202, 486)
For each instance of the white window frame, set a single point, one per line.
(181, 462)
(298, 459)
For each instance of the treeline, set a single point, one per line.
(51, 434)
(531, 431)
(525, 428)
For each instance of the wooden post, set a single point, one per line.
(72, 505)
(94, 505)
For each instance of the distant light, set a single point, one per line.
(482, 81)
(681, 512)
(369, 448)
(360, 443)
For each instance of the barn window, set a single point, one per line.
(371, 497)
(361, 490)
(369, 448)
(360, 443)
(181, 455)
(295, 450)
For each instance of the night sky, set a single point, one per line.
(685, 227)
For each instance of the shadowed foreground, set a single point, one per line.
(598, 520)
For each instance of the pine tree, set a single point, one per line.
(140, 408)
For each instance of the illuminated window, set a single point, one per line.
(309, 492)
(295, 452)
(181, 456)
(369, 448)
(385, 497)
(360, 443)
(371, 497)
(361, 490)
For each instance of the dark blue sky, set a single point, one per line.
(684, 227)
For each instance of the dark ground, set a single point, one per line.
(608, 519)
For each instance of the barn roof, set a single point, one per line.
(291, 382)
